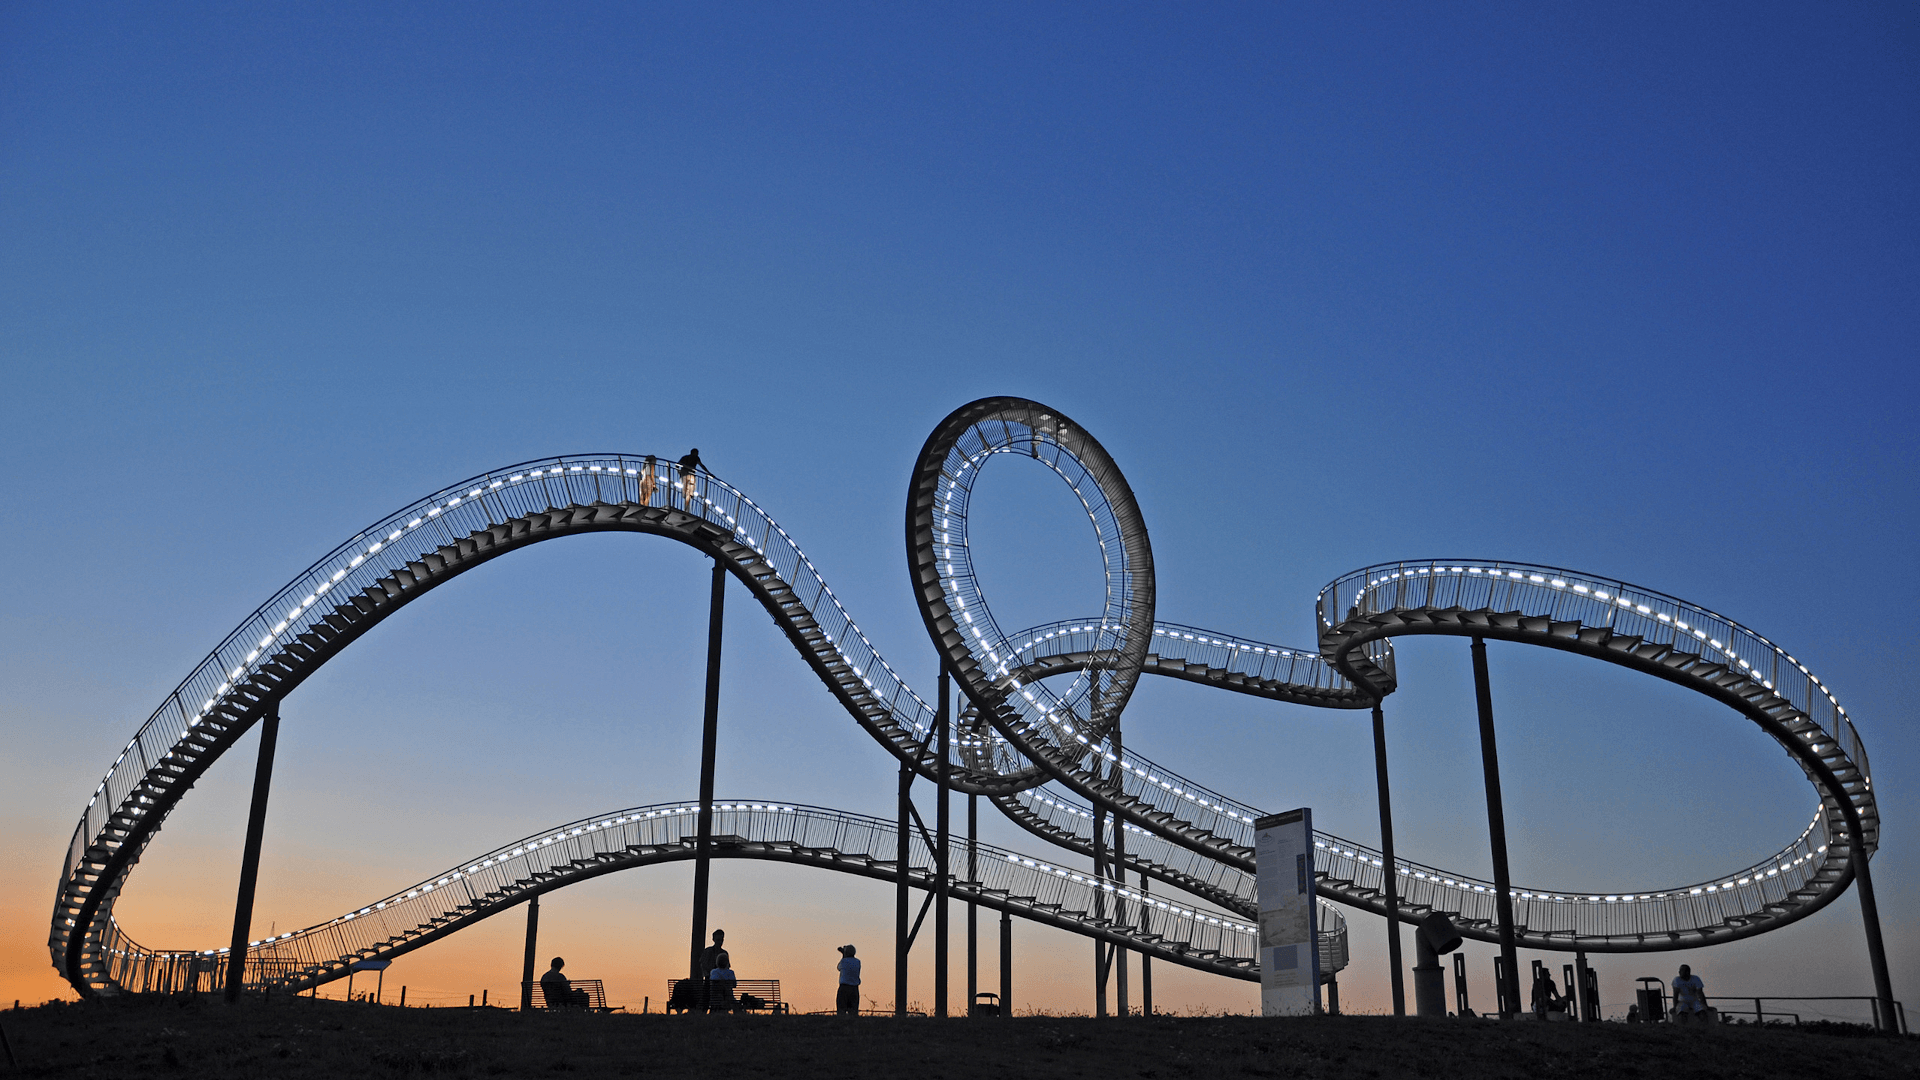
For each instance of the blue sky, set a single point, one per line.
(1628, 291)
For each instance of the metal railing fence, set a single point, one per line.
(504, 876)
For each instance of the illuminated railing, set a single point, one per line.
(1558, 595)
(226, 685)
(1303, 671)
(1209, 940)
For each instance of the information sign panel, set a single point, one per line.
(1289, 946)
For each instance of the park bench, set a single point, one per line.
(596, 996)
(749, 995)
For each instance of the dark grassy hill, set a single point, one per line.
(295, 1040)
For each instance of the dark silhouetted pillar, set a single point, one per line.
(903, 854)
(973, 909)
(1389, 873)
(250, 854)
(526, 968)
(709, 746)
(942, 879)
(1496, 829)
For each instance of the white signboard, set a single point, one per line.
(1289, 947)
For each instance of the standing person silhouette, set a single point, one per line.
(687, 466)
(714, 958)
(648, 485)
(846, 1000)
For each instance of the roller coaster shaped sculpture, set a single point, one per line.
(1044, 753)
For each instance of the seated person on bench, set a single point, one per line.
(1546, 996)
(558, 991)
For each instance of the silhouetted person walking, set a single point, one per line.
(687, 466)
(846, 1001)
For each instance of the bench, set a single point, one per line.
(749, 995)
(595, 1000)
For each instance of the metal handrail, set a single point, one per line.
(1191, 934)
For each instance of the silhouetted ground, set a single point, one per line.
(294, 1040)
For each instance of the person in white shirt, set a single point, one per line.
(847, 1001)
(1689, 997)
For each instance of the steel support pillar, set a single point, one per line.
(526, 967)
(250, 854)
(903, 854)
(973, 909)
(1146, 961)
(1117, 865)
(709, 746)
(1006, 963)
(942, 880)
(1870, 919)
(1389, 872)
(1099, 910)
(1496, 829)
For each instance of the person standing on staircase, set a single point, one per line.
(647, 482)
(688, 465)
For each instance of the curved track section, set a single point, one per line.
(552, 859)
(1791, 883)
(1667, 638)
(409, 553)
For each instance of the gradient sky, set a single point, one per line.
(1627, 291)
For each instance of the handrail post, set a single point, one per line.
(250, 854)
(1389, 877)
(1496, 829)
(709, 745)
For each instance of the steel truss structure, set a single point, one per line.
(1040, 736)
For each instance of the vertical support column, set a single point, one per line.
(1146, 961)
(1099, 909)
(526, 967)
(1119, 875)
(1460, 984)
(1390, 873)
(973, 909)
(1582, 999)
(250, 854)
(1870, 919)
(709, 746)
(903, 853)
(1006, 963)
(942, 882)
(1496, 830)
